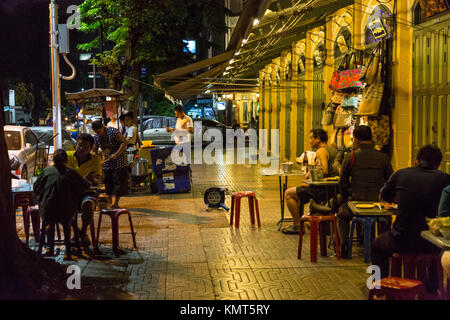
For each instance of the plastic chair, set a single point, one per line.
(24, 201)
(114, 214)
(236, 207)
(395, 288)
(319, 214)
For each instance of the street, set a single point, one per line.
(187, 253)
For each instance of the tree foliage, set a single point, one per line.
(24, 95)
(146, 33)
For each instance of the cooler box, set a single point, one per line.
(162, 161)
(174, 182)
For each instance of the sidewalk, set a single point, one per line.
(185, 252)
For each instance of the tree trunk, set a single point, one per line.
(23, 273)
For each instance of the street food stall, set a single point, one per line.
(108, 103)
(103, 103)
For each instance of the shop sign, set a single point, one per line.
(377, 28)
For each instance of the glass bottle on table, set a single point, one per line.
(305, 162)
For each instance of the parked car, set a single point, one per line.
(212, 124)
(68, 142)
(23, 146)
(154, 129)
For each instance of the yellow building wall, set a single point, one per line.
(355, 19)
(284, 112)
(297, 49)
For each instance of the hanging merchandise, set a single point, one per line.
(371, 101)
(377, 28)
(349, 102)
(370, 73)
(328, 113)
(348, 74)
(337, 98)
(343, 117)
(380, 130)
(347, 137)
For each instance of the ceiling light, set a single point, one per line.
(237, 52)
(244, 41)
(255, 22)
(231, 61)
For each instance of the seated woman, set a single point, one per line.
(59, 189)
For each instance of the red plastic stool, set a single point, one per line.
(417, 266)
(316, 227)
(32, 212)
(395, 288)
(114, 215)
(252, 202)
(24, 201)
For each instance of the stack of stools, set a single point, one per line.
(319, 215)
(170, 177)
(114, 214)
(236, 207)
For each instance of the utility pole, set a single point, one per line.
(56, 81)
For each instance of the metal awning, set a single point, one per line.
(179, 85)
(251, 47)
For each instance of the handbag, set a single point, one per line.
(371, 101)
(328, 114)
(348, 74)
(349, 102)
(343, 79)
(370, 73)
(343, 117)
(381, 131)
(337, 98)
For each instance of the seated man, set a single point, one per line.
(368, 170)
(60, 189)
(417, 191)
(296, 197)
(88, 165)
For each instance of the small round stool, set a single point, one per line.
(316, 227)
(114, 214)
(236, 211)
(398, 289)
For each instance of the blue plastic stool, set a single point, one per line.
(368, 223)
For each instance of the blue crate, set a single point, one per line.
(173, 182)
(162, 161)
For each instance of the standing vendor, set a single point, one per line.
(115, 172)
(131, 133)
(182, 132)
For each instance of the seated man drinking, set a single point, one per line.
(296, 197)
(88, 165)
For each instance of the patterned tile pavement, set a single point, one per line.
(187, 253)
